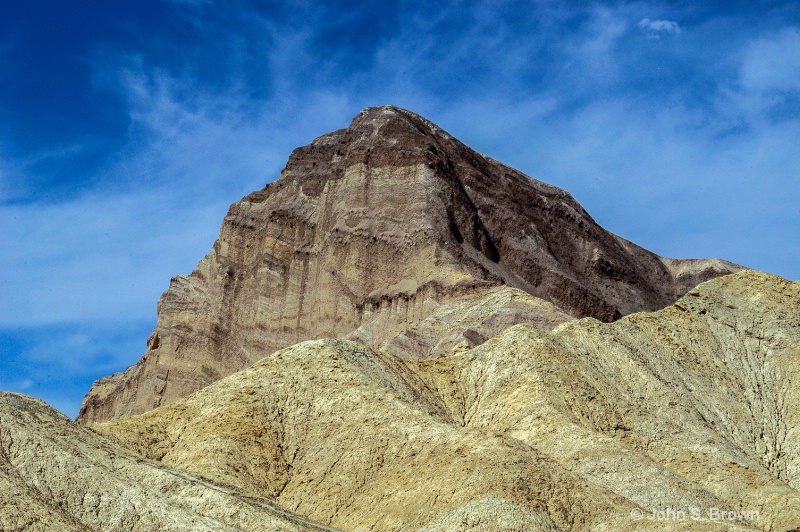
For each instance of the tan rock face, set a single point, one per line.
(590, 426)
(460, 323)
(57, 475)
(376, 225)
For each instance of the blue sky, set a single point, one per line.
(128, 128)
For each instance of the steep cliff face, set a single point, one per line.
(378, 224)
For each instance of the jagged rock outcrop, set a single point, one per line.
(376, 225)
(58, 475)
(591, 426)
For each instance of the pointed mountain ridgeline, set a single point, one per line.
(370, 231)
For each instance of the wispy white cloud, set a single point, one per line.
(110, 251)
(18, 176)
(659, 26)
(100, 256)
(597, 46)
(772, 64)
(764, 86)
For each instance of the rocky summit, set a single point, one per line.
(403, 334)
(370, 230)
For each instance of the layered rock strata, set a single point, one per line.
(377, 225)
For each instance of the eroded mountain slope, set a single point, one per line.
(376, 225)
(659, 408)
(692, 408)
(57, 475)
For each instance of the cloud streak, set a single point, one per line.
(659, 26)
(773, 63)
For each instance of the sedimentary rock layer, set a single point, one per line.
(378, 224)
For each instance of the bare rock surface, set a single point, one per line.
(377, 225)
(591, 426)
(58, 475)
(462, 323)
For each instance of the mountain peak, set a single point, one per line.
(379, 117)
(382, 113)
(377, 136)
(372, 228)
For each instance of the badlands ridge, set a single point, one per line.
(403, 334)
